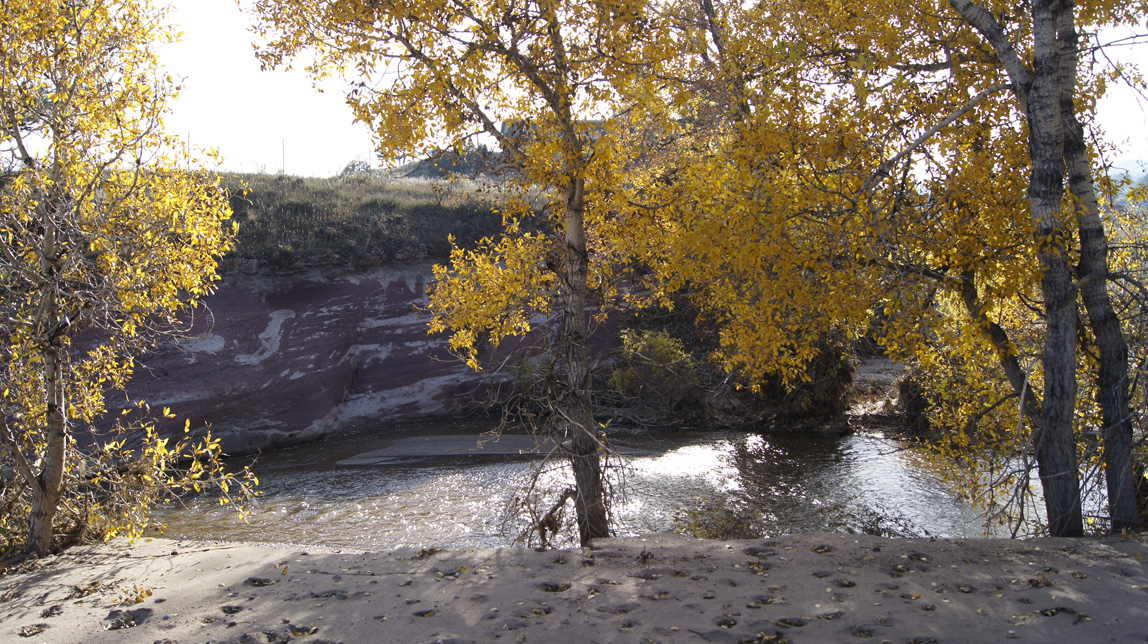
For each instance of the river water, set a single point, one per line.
(774, 484)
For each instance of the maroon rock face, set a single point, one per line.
(282, 360)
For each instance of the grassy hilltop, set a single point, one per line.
(355, 220)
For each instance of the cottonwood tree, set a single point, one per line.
(1045, 85)
(845, 158)
(546, 80)
(1036, 53)
(107, 240)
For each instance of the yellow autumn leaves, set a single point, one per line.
(492, 292)
(800, 170)
(111, 231)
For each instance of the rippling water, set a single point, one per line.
(778, 483)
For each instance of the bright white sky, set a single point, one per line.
(272, 121)
(259, 121)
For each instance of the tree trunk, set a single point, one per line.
(1055, 442)
(1140, 473)
(590, 497)
(46, 489)
(1005, 350)
(1038, 95)
(1092, 275)
(48, 484)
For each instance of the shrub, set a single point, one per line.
(653, 363)
(711, 520)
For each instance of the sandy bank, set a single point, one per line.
(664, 588)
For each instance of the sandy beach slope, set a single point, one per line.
(662, 588)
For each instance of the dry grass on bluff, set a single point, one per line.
(355, 220)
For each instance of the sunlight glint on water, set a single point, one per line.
(786, 483)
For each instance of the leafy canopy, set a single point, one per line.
(110, 235)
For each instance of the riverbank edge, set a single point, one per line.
(659, 588)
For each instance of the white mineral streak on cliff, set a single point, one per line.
(410, 319)
(209, 343)
(417, 399)
(364, 353)
(269, 339)
(176, 398)
(288, 358)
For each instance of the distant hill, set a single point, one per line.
(1134, 167)
(480, 162)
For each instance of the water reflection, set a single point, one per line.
(782, 483)
(800, 483)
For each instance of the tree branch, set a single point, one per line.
(9, 442)
(883, 169)
(980, 19)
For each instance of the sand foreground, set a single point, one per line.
(809, 588)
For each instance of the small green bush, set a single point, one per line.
(652, 363)
(527, 371)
